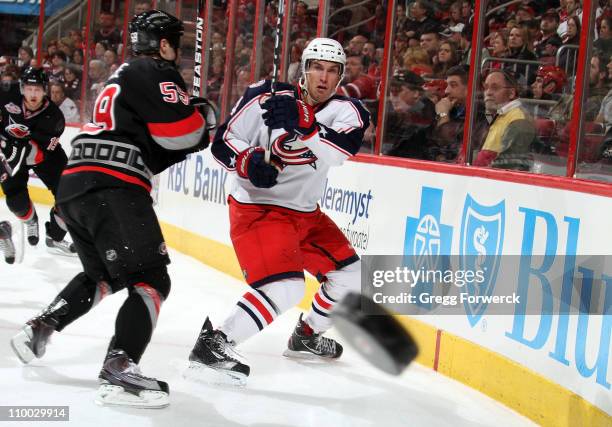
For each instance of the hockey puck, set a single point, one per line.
(377, 335)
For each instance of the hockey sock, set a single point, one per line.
(136, 320)
(338, 284)
(259, 307)
(81, 294)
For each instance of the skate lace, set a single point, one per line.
(220, 345)
(52, 312)
(325, 345)
(6, 247)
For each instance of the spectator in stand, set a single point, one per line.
(454, 15)
(294, 71)
(569, 57)
(434, 89)
(519, 48)
(370, 61)
(97, 77)
(76, 38)
(303, 24)
(72, 82)
(24, 57)
(416, 59)
(356, 83)
(430, 42)
(142, 6)
(572, 8)
(355, 45)
(466, 11)
(110, 58)
(524, 13)
(512, 132)
(421, 18)
(400, 17)
(447, 136)
(400, 45)
(447, 58)
(99, 50)
(410, 117)
(77, 59)
(66, 105)
(58, 63)
(108, 32)
(549, 83)
(453, 33)
(65, 45)
(548, 32)
(604, 42)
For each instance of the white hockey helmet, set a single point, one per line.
(324, 49)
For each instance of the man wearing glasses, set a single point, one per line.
(512, 130)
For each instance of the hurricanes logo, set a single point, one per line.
(292, 151)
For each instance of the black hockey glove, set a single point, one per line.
(293, 115)
(207, 110)
(251, 165)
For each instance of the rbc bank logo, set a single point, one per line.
(428, 244)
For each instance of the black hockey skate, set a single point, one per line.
(31, 228)
(304, 343)
(31, 341)
(62, 247)
(214, 360)
(6, 242)
(122, 384)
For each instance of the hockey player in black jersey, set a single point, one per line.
(143, 122)
(29, 140)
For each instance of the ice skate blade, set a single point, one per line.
(205, 374)
(114, 395)
(306, 355)
(20, 347)
(56, 251)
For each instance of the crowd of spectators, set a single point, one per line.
(525, 91)
(531, 46)
(63, 57)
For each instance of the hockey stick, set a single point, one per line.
(197, 63)
(12, 171)
(275, 67)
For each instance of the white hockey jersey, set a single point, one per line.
(342, 122)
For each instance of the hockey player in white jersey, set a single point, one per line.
(277, 228)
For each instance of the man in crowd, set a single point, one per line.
(512, 131)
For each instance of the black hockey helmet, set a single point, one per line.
(34, 76)
(148, 28)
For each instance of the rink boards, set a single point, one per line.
(553, 369)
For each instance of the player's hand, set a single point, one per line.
(293, 115)
(18, 132)
(207, 109)
(252, 166)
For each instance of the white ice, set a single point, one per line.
(280, 392)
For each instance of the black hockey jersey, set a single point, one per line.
(46, 125)
(142, 123)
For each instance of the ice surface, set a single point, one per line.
(280, 392)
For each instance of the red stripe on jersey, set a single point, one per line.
(259, 306)
(319, 300)
(179, 128)
(118, 175)
(39, 156)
